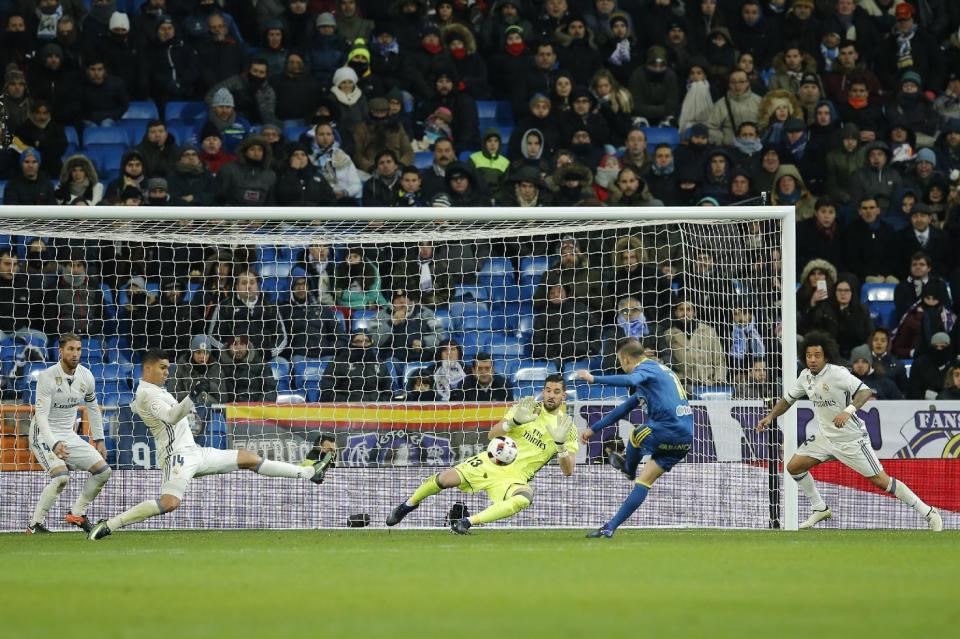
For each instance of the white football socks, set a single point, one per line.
(143, 510)
(48, 496)
(902, 492)
(270, 468)
(91, 488)
(809, 488)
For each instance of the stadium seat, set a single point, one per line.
(104, 135)
(183, 132)
(106, 157)
(465, 308)
(293, 131)
(277, 288)
(528, 377)
(879, 301)
(505, 315)
(307, 374)
(603, 391)
(341, 321)
(73, 141)
(8, 355)
(474, 341)
(113, 384)
(506, 347)
(423, 159)
(443, 316)
(141, 110)
(188, 111)
(470, 291)
(281, 374)
(487, 109)
(360, 319)
(135, 129)
(525, 326)
(504, 113)
(275, 269)
(661, 135)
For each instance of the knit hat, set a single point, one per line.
(137, 281)
(492, 132)
(709, 201)
(222, 97)
(538, 97)
(49, 49)
(378, 104)
(941, 337)
(444, 114)
(849, 130)
(441, 200)
(326, 19)
(429, 29)
(700, 130)
(911, 76)
(200, 343)
(927, 155)
(809, 78)
(513, 28)
(27, 152)
(861, 352)
(131, 193)
(155, 183)
(344, 73)
(656, 54)
(119, 21)
(359, 49)
(794, 125)
(209, 130)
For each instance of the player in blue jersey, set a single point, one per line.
(667, 435)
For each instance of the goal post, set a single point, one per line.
(288, 302)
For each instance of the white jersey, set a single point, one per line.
(831, 391)
(166, 418)
(57, 397)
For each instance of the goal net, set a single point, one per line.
(404, 338)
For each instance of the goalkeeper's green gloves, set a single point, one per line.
(525, 412)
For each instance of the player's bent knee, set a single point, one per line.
(526, 492)
(168, 503)
(448, 479)
(60, 481)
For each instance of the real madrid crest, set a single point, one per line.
(59, 380)
(825, 387)
(82, 388)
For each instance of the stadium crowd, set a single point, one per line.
(847, 110)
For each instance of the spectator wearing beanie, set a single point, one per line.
(222, 115)
(948, 104)
(802, 25)
(913, 47)
(948, 146)
(380, 131)
(540, 117)
(430, 57)
(189, 181)
(31, 185)
(15, 97)
(326, 51)
(117, 49)
(463, 186)
(655, 88)
(273, 46)
(353, 104)
(930, 368)
(212, 153)
(583, 116)
(489, 164)
(862, 366)
(157, 192)
(912, 107)
(173, 66)
(254, 98)
(876, 177)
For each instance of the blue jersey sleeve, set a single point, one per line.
(635, 378)
(617, 413)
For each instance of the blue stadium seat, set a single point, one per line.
(470, 291)
(360, 319)
(443, 316)
(281, 374)
(26, 384)
(73, 141)
(661, 135)
(106, 157)
(113, 384)
(307, 374)
(3, 186)
(504, 114)
(506, 347)
(341, 321)
(294, 131)
(506, 315)
(183, 132)
(423, 159)
(8, 355)
(194, 110)
(277, 288)
(487, 109)
(465, 155)
(141, 110)
(473, 342)
(604, 391)
(275, 269)
(117, 350)
(528, 377)
(879, 301)
(104, 135)
(135, 129)
(525, 326)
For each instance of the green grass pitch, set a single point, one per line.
(408, 583)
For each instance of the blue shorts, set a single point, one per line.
(666, 448)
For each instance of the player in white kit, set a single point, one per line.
(837, 395)
(179, 456)
(54, 440)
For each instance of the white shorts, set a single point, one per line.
(183, 466)
(856, 454)
(81, 455)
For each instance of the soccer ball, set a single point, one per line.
(502, 450)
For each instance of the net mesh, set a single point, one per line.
(404, 341)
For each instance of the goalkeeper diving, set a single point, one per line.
(540, 429)
(666, 437)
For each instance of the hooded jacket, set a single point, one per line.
(842, 164)
(806, 204)
(870, 181)
(92, 194)
(243, 183)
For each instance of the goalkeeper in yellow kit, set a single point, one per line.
(541, 430)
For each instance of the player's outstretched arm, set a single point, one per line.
(781, 407)
(635, 378)
(612, 417)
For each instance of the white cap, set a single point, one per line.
(119, 21)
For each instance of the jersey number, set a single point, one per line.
(676, 381)
(475, 462)
(177, 460)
